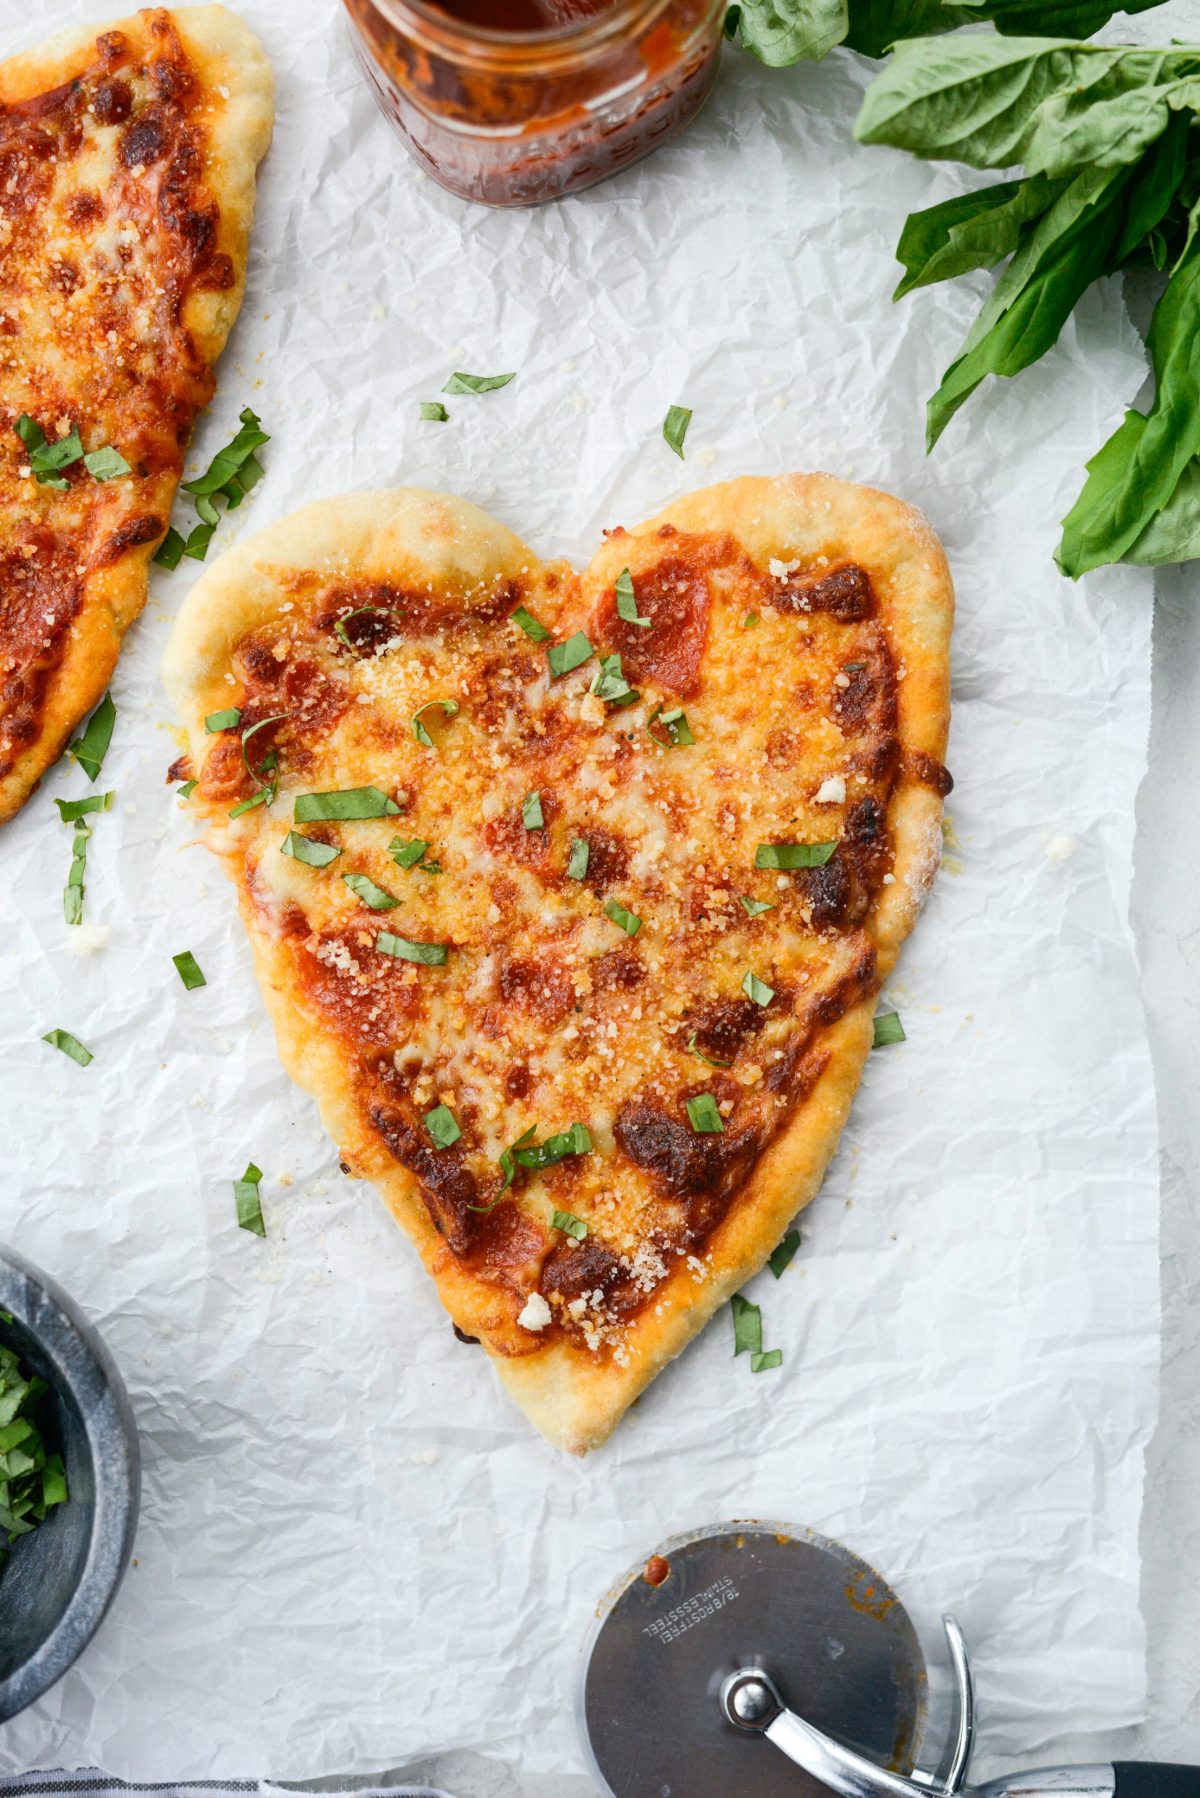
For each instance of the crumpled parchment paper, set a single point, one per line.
(353, 1550)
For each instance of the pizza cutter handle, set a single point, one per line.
(1153, 1779)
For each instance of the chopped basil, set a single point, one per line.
(757, 989)
(575, 1141)
(888, 1029)
(442, 1125)
(675, 426)
(569, 1224)
(346, 803)
(187, 789)
(339, 629)
(264, 796)
(754, 908)
(71, 809)
(793, 855)
(270, 761)
(763, 1362)
(747, 1326)
(627, 601)
(169, 553)
(703, 1115)
(188, 969)
(531, 812)
(508, 1166)
(733, 19)
(449, 708)
(853, 667)
(577, 866)
(364, 888)
(708, 1060)
(235, 469)
(430, 955)
(412, 855)
(780, 1259)
(106, 464)
(201, 535)
(226, 720)
(563, 657)
(433, 412)
(460, 383)
(674, 723)
(610, 684)
(308, 850)
(249, 1205)
(46, 458)
(626, 919)
(91, 748)
(750, 621)
(70, 1045)
(31, 1481)
(533, 627)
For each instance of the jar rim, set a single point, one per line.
(436, 29)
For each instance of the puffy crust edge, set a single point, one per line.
(225, 53)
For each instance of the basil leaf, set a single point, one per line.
(782, 32)
(106, 464)
(90, 749)
(433, 412)
(675, 426)
(187, 789)
(70, 1045)
(226, 720)
(703, 1115)
(364, 888)
(340, 631)
(1173, 534)
(270, 761)
(757, 989)
(765, 1360)
(307, 850)
(627, 601)
(264, 796)
(73, 891)
(793, 855)
(249, 1205)
(628, 922)
(533, 627)
(577, 866)
(781, 1258)
(575, 1141)
(875, 25)
(188, 969)
(46, 458)
(412, 855)
(346, 803)
(1048, 18)
(442, 1125)
(610, 684)
(747, 1326)
(754, 908)
(198, 540)
(708, 1060)
(429, 955)
(449, 710)
(750, 621)
(1138, 471)
(508, 1166)
(170, 551)
(531, 812)
(31, 1481)
(970, 231)
(888, 1029)
(675, 724)
(563, 657)
(71, 809)
(569, 1224)
(226, 472)
(460, 383)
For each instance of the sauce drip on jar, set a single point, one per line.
(517, 101)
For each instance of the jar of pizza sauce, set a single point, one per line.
(517, 101)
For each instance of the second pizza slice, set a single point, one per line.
(571, 896)
(127, 175)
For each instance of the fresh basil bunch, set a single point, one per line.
(1110, 145)
(781, 32)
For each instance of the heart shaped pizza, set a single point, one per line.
(571, 895)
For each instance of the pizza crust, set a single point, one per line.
(573, 1397)
(227, 56)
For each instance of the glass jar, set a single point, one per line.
(516, 117)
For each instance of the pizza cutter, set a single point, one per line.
(757, 1661)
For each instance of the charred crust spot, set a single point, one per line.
(142, 143)
(171, 80)
(129, 535)
(180, 769)
(111, 46)
(572, 1269)
(618, 971)
(688, 1166)
(219, 273)
(112, 102)
(845, 593)
(461, 1335)
(447, 1185)
(84, 209)
(722, 1026)
(826, 892)
(929, 771)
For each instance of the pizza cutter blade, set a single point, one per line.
(709, 1606)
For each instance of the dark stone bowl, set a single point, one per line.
(60, 1579)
